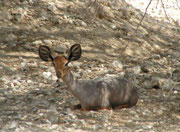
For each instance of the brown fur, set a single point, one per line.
(60, 62)
(97, 94)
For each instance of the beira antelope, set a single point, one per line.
(109, 93)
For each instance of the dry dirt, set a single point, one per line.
(31, 101)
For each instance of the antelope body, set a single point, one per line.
(105, 93)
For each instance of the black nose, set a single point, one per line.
(58, 74)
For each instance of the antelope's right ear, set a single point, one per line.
(45, 53)
(74, 52)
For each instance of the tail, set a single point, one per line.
(45, 53)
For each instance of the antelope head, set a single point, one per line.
(60, 62)
(93, 94)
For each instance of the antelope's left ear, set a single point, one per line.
(74, 52)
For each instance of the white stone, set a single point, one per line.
(113, 26)
(175, 92)
(51, 69)
(46, 41)
(13, 124)
(16, 83)
(37, 42)
(46, 75)
(12, 85)
(43, 66)
(61, 48)
(76, 64)
(54, 77)
(32, 1)
(23, 65)
(156, 56)
(29, 81)
(137, 69)
(117, 64)
(71, 21)
(52, 8)
(83, 24)
(89, 71)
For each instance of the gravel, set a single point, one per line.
(31, 99)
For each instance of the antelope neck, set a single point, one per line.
(69, 80)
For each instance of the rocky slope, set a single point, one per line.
(29, 97)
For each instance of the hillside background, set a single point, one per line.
(29, 97)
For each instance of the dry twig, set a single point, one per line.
(177, 4)
(140, 21)
(164, 9)
(157, 4)
(143, 15)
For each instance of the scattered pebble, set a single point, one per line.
(46, 75)
(32, 100)
(137, 69)
(83, 24)
(117, 64)
(52, 8)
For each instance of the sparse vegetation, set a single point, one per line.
(150, 57)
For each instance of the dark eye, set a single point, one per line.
(58, 74)
(53, 64)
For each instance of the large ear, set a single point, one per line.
(74, 52)
(45, 53)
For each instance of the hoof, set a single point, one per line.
(122, 106)
(77, 107)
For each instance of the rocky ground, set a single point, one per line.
(31, 101)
